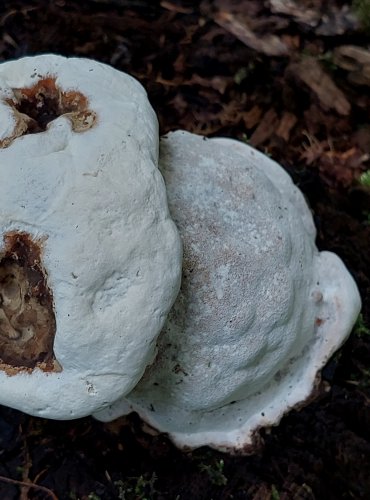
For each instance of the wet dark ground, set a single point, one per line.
(229, 68)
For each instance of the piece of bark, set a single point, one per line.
(265, 129)
(287, 123)
(337, 21)
(252, 117)
(328, 21)
(309, 72)
(174, 7)
(270, 45)
(356, 60)
(309, 17)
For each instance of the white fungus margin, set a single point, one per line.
(260, 310)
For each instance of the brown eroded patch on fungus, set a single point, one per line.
(27, 320)
(35, 107)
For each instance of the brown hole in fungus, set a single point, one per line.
(27, 320)
(35, 107)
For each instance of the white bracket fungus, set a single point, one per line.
(90, 261)
(90, 264)
(260, 310)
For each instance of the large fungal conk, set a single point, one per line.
(90, 261)
(260, 310)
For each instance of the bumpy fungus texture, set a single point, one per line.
(35, 107)
(260, 310)
(80, 173)
(27, 321)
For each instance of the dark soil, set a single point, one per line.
(274, 76)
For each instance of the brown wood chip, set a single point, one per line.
(265, 129)
(356, 60)
(270, 45)
(252, 117)
(287, 123)
(309, 72)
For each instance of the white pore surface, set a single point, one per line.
(260, 309)
(111, 251)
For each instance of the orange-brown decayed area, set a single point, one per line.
(27, 319)
(35, 107)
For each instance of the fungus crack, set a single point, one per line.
(35, 107)
(27, 320)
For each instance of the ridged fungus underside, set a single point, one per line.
(27, 319)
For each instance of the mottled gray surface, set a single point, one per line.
(260, 309)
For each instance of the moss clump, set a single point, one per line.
(362, 11)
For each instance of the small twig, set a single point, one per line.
(29, 485)
(26, 468)
(176, 8)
